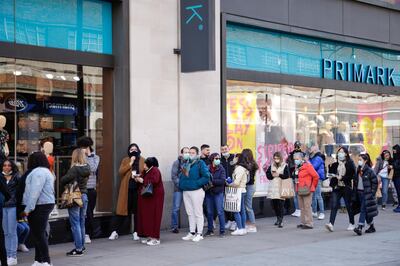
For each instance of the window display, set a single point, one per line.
(271, 117)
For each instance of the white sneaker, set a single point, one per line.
(36, 263)
(297, 213)
(244, 231)
(46, 264)
(237, 232)
(197, 238)
(233, 226)
(228, 225)
(87, 239)
(153, 242)
(12, 261)
(23, 248)
(113, 236)
(351, 227)
(189, 236)
(329, 227)
(145, 240)
(321, 216)
(251, 229)
(315, 215)
(135, 237)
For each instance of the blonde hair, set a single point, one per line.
(78, 157)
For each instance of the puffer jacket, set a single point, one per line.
(318, 163)
(307, 176)
(240, 176)
(218, 178)
(370, 183)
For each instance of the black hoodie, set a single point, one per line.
(396, 161)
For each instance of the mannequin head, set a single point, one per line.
(48, 148)
(3, 121)
(343, 126)
(328, 125)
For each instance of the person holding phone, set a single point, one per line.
(131, 166)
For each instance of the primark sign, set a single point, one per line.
(355, 72)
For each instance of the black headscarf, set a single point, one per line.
(135, 165)
(151, 162)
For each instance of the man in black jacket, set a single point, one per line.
(396, 173)
(227, 161)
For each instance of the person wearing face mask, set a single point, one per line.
(365, 185)
(131, 166)
(227, 161)
(342, 173)
(194, 175)
(292, 167)
(317, 159)
(396, 174)
(383, 167)
(306, 179)
(278, 169)
(177, 198)
(215, 195)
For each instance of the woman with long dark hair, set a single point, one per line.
(383, 167)
(365, 185)
(39, 200)
(131, 166)
(4, 196)
(343, 173)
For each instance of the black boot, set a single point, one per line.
(358, 230)
(371, 229)
(280, 222)
(277, 221)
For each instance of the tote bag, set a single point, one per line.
(287, 189)
(274, 188)
(233, 198)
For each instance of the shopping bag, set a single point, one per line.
(274, 188)
(233, 198)
(287, 189)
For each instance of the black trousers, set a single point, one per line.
(119, 221)
(92, 228)
(38, 220)
(277, 205)
(336, 195)
(3, 252)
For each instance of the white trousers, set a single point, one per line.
(193, 201)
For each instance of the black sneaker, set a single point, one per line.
(222, 235)
(175, 231)
(358, 230)
(83, 250)
(300, 226)
(75, 253)
(307, 227)
(209, 233)
(371, 229)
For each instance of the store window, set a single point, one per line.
(50, 102)
(271, 117)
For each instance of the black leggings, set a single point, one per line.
(38, 220)
(92, 229)
(277, 205)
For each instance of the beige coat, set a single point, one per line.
(125, 172)
(240, 177)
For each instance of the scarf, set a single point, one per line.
(279, 169)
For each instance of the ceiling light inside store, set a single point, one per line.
(76, 78)
(63, 78)
(17, 73)
(49, 76)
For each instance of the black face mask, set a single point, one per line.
(134, 154)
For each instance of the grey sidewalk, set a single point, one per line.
(270, 246)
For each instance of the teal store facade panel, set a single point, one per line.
(256, 49)
(80, 25)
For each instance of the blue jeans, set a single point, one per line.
(10, 231)
(295, 199)
(251, 189)
(317, 198)
(385, 189)
(363, 210)
(240, 217)
(77, 221)
(215, 202)
(176, 205)
(22, 232)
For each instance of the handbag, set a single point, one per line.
(304, 191)
(147, 191)
(233, 199)
(71, 196)
(287, 189)
(274, 188)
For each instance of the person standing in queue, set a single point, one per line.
(4, 196)
(227, 161)
(130, 167)
(292, 168)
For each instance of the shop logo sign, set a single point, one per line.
(195, 9)
(16, 103)
(353, 72)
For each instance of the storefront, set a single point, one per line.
(281, 87)
(60, 68)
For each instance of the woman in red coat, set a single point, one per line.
(150, 207)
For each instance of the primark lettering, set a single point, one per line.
(339, 70)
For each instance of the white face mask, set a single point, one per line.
(193, 157)
(341, 156)
(360, 163)
(226, 154)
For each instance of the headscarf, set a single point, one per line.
(135, 165)
(151, 162)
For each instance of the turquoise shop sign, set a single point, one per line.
(256, 49)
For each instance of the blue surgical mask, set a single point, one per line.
(186, 156)
(341, 156)
(217, 162)
(298, 162)
(360, 162)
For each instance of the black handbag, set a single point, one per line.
(147, 191)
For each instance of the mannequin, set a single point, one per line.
(355, 135)
(326, 138)
(48, 151)
(4, 137)
(341, 135)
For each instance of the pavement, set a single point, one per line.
(269, 246)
